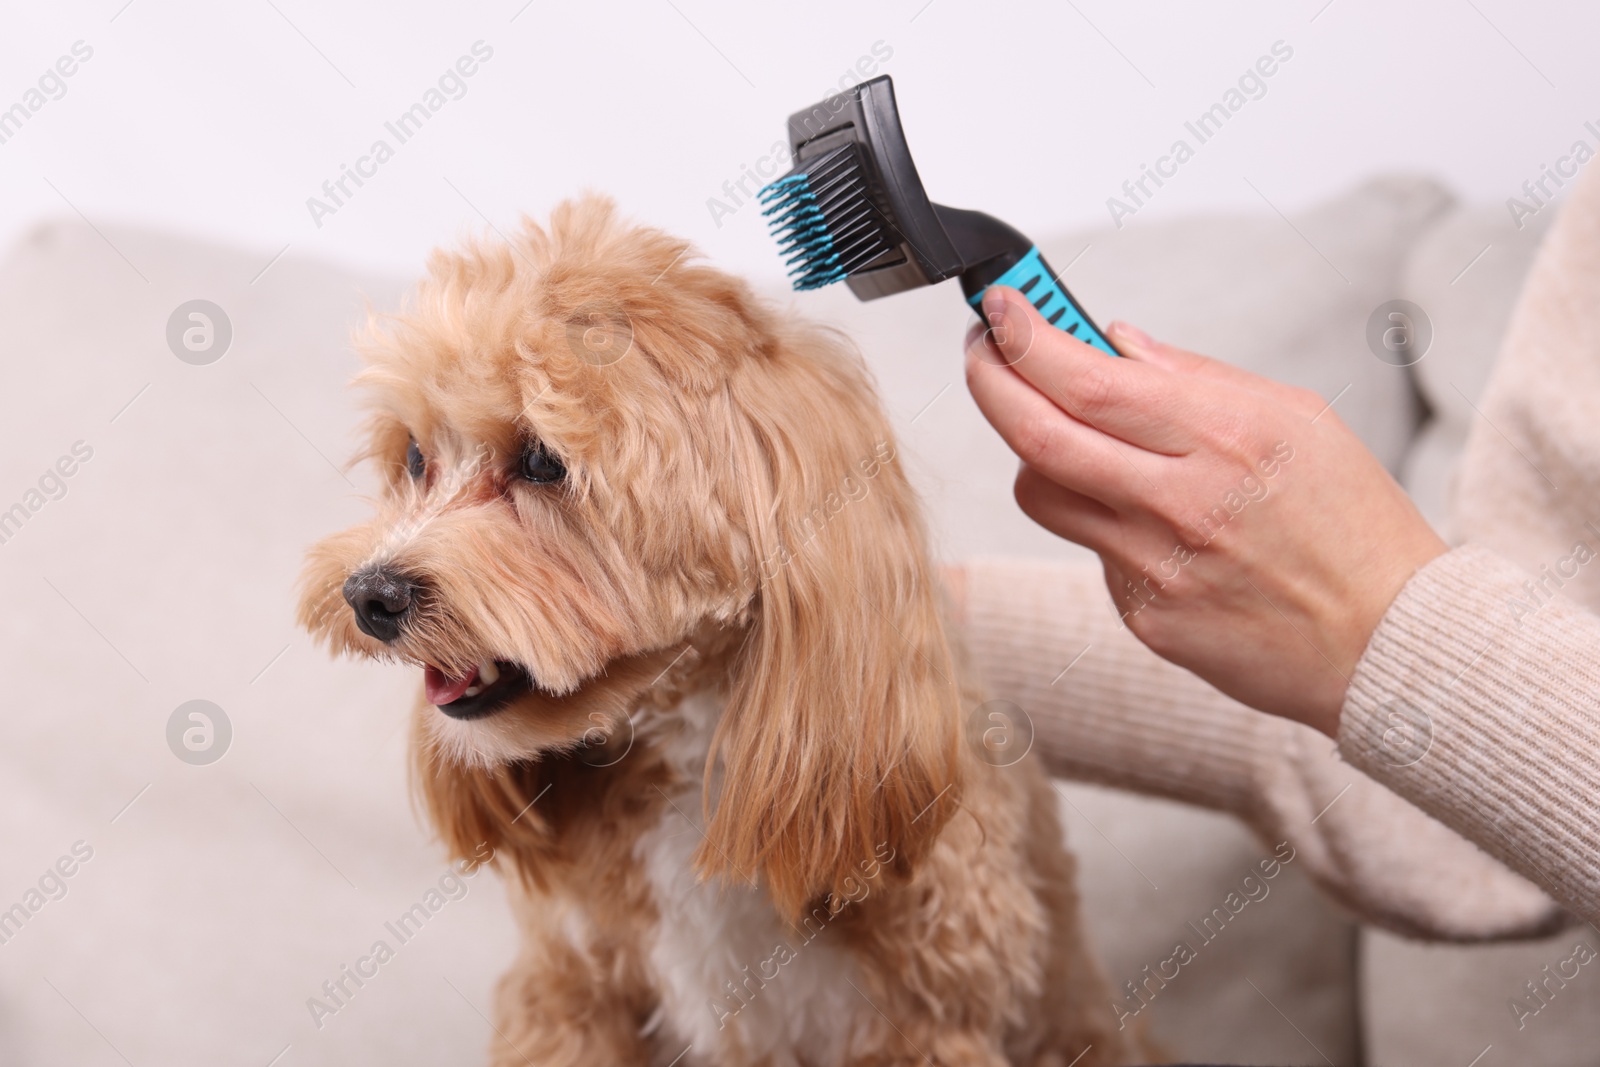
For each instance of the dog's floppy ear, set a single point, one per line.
(840, 742)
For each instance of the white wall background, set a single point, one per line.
(221, 119)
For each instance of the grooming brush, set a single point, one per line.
(853, 207)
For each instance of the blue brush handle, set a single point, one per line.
(1033, 278)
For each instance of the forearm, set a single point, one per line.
(1102, 706)
(1106, 709)
(1478, 699)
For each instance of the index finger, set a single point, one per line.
(1138, 345)
(1137, 402)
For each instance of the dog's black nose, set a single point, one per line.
(381, 600)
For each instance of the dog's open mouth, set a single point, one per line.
(484, 689)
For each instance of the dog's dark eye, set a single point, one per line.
(416, 465)
(540, 465)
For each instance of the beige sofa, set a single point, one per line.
(218, 898)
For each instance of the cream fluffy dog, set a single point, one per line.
(686, 675)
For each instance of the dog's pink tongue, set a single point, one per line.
(442, 689)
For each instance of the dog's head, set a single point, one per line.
(603, 465)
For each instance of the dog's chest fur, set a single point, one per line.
(730, 974)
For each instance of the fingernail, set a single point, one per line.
(994, 306)
(997, 314)
(1132, 334)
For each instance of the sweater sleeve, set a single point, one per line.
(1478, 699)
(1477, 695)
(1105, 709)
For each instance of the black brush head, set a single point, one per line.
(872, 224)
(853, 206)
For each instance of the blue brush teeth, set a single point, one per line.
(801, 230)
(823, 221)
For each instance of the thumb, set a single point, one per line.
(1011, 324)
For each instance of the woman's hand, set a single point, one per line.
(1246, 533)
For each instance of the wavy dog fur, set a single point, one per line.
(730, 618)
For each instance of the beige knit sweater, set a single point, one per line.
(1476, 702)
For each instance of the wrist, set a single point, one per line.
(1402, 565)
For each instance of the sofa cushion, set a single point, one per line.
(218, 898)
(1152, 873)
(1444, 1005)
